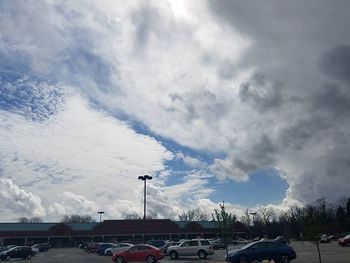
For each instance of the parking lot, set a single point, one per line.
(306, 252)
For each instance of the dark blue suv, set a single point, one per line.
(262, 250)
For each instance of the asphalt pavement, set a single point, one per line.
(306, 253)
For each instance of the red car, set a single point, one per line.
(345, 241)
(145, 253)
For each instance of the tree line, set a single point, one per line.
(296, 222)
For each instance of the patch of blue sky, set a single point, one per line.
(82, 66)
(171, 145)
(264, 187)
(15, 61)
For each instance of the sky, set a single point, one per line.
(245, 102)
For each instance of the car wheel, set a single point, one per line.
(173, 255)
(243, 259)
(151, 259)
(285, 259)
(119, 259)
(109, 253)
(29, 256)
(202, 254)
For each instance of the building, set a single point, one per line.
(68, 234)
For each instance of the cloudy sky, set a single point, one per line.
(242, 101)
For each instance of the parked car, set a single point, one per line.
(23, 252)
(242, 241)
(262, 250)
(147, 253)
(42, 246)
(164, 249)
(325, 239)
(282, 239)
(118, 248)
(101, 248)
(156, 243)
(35, 250)
(218, 243)
(11, 246)
(91, 247)
(344, 241)
(195, 247)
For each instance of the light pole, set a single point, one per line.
(253, 214)
(100, 213)
(144, 178)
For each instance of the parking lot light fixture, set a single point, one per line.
(144, 178)
(253, 214)
(100, 213)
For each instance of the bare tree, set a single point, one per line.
(152, 215)
(193, 215)
(23, 219)
(132, 216)
(77, 219)
(266, 214)
(34, 219)
(246, 219)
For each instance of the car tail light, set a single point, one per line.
(210, 248)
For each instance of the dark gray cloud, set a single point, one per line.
(334, 100)
(336, 63)
(260, 156)
(299, 133)
(262, 94)
(202, 104)
(301, 51)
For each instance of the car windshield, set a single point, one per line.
(246, 246)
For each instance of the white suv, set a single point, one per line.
(118, 248)
(194, 247)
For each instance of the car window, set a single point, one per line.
(258, 246)
(205, 243)
(145, 248)
(133, 249)
(193, 243)
(185, 244)
(123, 245)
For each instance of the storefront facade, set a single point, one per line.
(70, 234)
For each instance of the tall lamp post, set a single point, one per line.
(253, 214)
(100, 213)
(144, 178)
